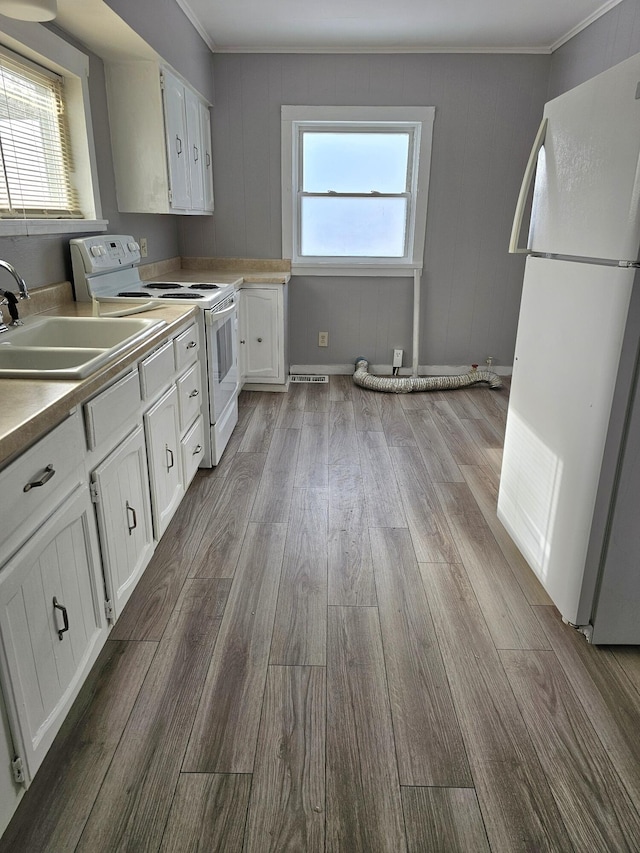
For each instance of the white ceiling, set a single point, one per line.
(511, 26)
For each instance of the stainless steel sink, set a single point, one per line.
(68, 347)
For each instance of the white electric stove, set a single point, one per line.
(105, 269)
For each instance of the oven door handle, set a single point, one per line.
(212, 317)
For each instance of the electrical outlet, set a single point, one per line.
(142, 242)
(323, 339)
(397, 358)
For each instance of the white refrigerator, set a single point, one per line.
(570, 483)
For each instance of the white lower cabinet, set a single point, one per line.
(82, 511)
(162, 429)
(262, 323)
(52, 623)
(192, 448)
(10, 791)
(259, 335)
(120, 491)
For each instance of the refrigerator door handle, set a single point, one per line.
(529, 173)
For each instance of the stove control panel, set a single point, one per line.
(104, 253)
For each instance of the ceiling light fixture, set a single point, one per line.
(29, 10)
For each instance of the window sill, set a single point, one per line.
(33, 227)
(372, 270)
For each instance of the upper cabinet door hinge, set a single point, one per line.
(18, 769)
(162, 80)
(95, 493)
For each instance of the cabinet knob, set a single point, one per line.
(192, 344)
(243, 342)
(259, 340)
(194, 393)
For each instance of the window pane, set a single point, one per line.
(355, 162)
(354, 227)
(36, 160)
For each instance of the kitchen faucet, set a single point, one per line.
(24, 293)
(10, 297)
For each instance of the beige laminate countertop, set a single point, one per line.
(222, 277)
(29, 408)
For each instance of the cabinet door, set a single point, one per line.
(196, 154)
(178, 153)
(205, 128)
(52, 624)
(121, 493)
(259, 334)
(162, 428)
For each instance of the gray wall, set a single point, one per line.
(487, 112)
(166, 28)
(612, 38)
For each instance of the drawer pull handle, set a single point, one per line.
(134, 518)
(191, 344)
(170, 459)
(65, 617)
(46, 475)
(194, 393)
(197, 449)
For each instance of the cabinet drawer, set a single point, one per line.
(156, 370)
(186, 347)
(192, 447)
(111, 409)
(189, 395)
(37, 482)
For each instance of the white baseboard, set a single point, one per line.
(387, 370)
(265, 386)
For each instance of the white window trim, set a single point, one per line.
(45, 48)
(293, 119)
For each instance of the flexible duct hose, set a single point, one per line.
(406, 384)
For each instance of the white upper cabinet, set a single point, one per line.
(205, 130)
(195, 152)
(178, 149)
(161, 140)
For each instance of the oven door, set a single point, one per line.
(221, 326)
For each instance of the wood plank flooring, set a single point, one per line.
(336, 647)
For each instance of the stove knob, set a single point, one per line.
(133, 247)
(95, 251)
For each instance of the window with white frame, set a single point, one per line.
(48, 179)
(35, 155)
(354, 188)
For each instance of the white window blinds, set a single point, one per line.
(35, 156)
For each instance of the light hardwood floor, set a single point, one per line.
(337, 647)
